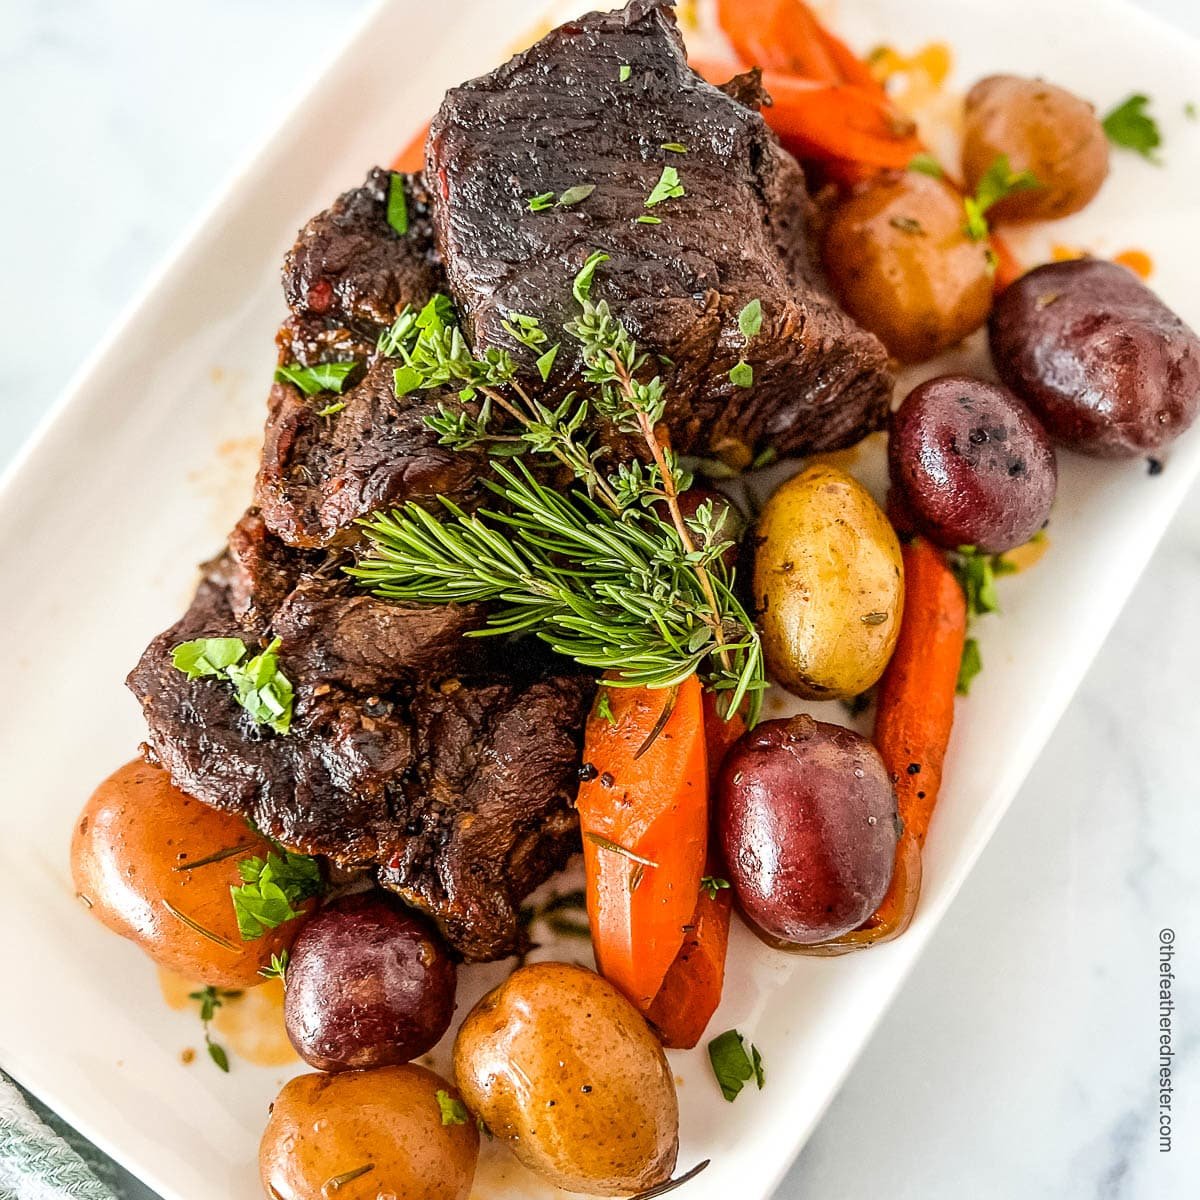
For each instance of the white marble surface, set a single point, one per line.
(1021, 1058)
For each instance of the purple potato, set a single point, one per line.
(369, 984)
(974, 464)
(808, 824)
(1109, 369)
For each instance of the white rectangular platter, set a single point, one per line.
(146, 463)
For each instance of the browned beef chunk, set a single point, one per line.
(346, 279)
(408, 745)
(558, 116)
(320, 474)
(349, 268)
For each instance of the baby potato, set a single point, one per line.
(561, 1067)
(828, 585)
(131, 859)
(1043, 129)
(365, 1134)
(901, 263)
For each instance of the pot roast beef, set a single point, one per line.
(442, 762)
(448, 765)
(560, 116)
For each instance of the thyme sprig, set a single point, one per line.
(596, 570)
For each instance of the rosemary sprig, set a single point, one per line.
(595, 570)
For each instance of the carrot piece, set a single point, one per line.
(779, 35)
(645, 830)
(913, 717)
(691, 988)
(838, 122)
(916, 695)
(412, 157)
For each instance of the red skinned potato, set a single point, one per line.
(973, 463)
(369, 984)
(1108, 369)
(808, 824)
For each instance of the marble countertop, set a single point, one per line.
(1021, 1057)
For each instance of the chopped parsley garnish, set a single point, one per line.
(667, 188)
(581, 288)
(1131, 127)
(453, 1110)
(397, 205)
(545, 363)
(742, 375)
(711, 885)
(325, 377)
(526, 330)
(674, 147)
(625, 72)
(733, 1066)
(998, 181)
(750, 319)
(271, 889)
(210, 999)
(604, 707)
(977, 574)
(969, 667)
(261, 688)
(646, 219)
(926, 164)
(330, 409)
(573, 195)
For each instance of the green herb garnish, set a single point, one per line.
(646, 219)
(271, 889)
(674, 147)
(732, 1065)
(667, 188)
(545, 362)
(926, 164)
(210, 999)
(573, 195)
(330, 409)
(977, 574)
(625, 72)
(453, 1110)
(750, 319)
(324, 377)
(261, 688)
(1131, 127)
(711, 885)
(998, 181)
(277, 968)
(397, 204)
(742, 374)
(604, 707)
(593, 570)
(969, 667)
(542, 202)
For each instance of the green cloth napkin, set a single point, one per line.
(43, 1158)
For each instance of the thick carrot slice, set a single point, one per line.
(913, 719)
(644, 816)
(691, 989)
(412, 157)
(1008, 266)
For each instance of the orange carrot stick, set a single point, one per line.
(1008, 266)
(644, 817)
(691, 989)
(412, 157)
(913, 718)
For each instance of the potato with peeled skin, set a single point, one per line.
(365, 1134)
(565, 1071)
(898, 257)
(828, 585)
(1042, 129)
(1105, 365)
(131, 856)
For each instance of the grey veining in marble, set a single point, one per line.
(1021, 1058)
